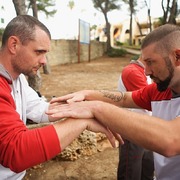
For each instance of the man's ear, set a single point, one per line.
(177, 52)
(13, 43)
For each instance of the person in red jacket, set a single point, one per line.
(25, 43)
(135, 162)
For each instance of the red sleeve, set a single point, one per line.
(21, 148)
(133, 77)
(144, 96)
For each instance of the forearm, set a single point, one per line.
(150, 132)
(69, 129)
(114, 97)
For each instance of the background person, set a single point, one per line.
(135, 162)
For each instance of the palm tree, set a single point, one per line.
(106, 6)
(132, 4)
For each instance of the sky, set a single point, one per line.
(64, 24)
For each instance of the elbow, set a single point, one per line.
(170, 148)
(17, 168)
(168, 153)
(15, 165)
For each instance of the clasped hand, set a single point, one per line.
(74, 106)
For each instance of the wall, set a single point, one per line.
(66, 51)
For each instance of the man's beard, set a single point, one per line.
(163, 85)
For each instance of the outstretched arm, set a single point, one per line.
(114, 97)
(69, 129)
(150, 132)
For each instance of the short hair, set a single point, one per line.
(23, 26)
(166, 38)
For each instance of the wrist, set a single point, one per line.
(87, 95)
(97, 109)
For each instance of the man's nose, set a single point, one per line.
(147, 71)
(43, 60)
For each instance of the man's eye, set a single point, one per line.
(38, 52)
(148, 63)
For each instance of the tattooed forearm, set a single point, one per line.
(113, 97)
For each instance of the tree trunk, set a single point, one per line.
(131, 20)
(108, 33)
(173, 12)
(34, 8)
(165, 11)
(108, 36)
(149, 14)
(150, 23)
(20, 7)
(139, 26)
(46, 67)
(130, 31)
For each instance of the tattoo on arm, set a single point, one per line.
(113, 97)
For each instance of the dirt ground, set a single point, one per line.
(101, 73)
